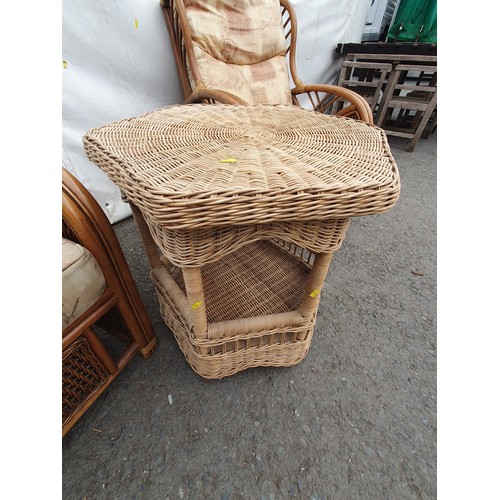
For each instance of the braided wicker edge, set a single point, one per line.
(205, 210)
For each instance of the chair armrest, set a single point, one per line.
(212, 96)
(84, 222)
(335, 100)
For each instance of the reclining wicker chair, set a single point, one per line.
(97, 289)
(244, 55)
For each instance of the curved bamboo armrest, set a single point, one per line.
(84, 222)
(326, 98)
(211, 96)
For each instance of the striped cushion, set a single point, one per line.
(240, 48)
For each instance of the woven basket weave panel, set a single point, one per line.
(202, 166)
(82, 375)
(206, 245)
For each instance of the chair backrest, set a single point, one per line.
(242, 49)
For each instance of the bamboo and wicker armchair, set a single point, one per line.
(246, 55)
(98, 290)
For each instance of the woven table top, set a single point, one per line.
(190, 166)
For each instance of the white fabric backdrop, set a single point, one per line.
(117, 63)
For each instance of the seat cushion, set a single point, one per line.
(240, 48)
(82, 281)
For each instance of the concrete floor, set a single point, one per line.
(355, 419)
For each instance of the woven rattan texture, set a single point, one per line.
(213, 359)
(256, 280)
(82, 375)
(193, 166)
(261, 280)
(207, 245)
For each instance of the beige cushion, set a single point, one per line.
(82, 281)
(240, 48)
(260, 83)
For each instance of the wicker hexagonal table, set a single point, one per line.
(246, 205)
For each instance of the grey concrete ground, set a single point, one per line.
(356, 419)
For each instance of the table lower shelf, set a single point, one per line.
(251, 297)
(256, 280)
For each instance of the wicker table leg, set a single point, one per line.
(147, 240)
(316, 279)
(196, 301)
